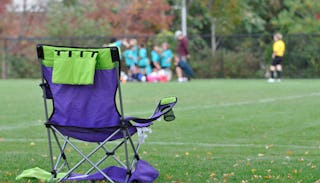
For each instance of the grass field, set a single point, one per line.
(225, 130)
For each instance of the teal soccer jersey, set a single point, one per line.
(166, 58)
(155, 57)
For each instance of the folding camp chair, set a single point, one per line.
(83, 86)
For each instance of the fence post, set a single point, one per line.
(4, 67)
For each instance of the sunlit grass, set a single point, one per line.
(225, 130)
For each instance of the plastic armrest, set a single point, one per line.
(164, 108)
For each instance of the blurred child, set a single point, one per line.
(144, 62)
(166, 60)
(278, 48)
(155, 58)
(130, 61)
(166, 56)
(133, 43)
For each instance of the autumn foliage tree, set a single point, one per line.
(3, 10)
(134, 17)
(105, 18)
(15, 24)
(75, 19)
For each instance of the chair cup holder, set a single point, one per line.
(169, 116)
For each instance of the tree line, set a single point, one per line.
(211, 26)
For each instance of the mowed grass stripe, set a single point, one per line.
(264, 100)
(241, 103)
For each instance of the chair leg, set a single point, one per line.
(54, 175)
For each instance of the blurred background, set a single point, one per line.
(227, 38)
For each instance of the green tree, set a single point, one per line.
(257, 18)
(298, 16)
(254, 17)
(72, 19)
(212, 17)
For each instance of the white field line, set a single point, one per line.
(21, 125)
(208, 145)
(231, 104)
(231, 145)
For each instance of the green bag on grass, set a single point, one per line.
(38, 173)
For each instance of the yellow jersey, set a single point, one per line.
(279, 47)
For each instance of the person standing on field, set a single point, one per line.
(182, 55)
(278, 48)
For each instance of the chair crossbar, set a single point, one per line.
(101, 145)
(84, 157)
(108, 154)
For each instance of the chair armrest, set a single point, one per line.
(164, 108)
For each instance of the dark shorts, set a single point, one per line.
(277, 61)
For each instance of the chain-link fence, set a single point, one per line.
(235, 56)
